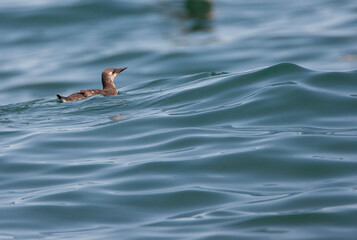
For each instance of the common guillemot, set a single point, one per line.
(109, 88)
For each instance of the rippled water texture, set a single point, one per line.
(234, 120)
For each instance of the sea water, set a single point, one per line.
(234, 120)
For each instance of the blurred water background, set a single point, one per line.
(235, 120)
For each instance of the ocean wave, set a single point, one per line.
(262, 151)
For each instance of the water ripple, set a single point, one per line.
(267, 153)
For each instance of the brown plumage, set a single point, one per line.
(109, 88)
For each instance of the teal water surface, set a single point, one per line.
(234, 120)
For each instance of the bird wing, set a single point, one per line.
(90, 92)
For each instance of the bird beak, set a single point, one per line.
(119, 70)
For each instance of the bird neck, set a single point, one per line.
(108, 83)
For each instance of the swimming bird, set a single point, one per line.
(109, 88)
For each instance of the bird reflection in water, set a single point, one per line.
(118, 117)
